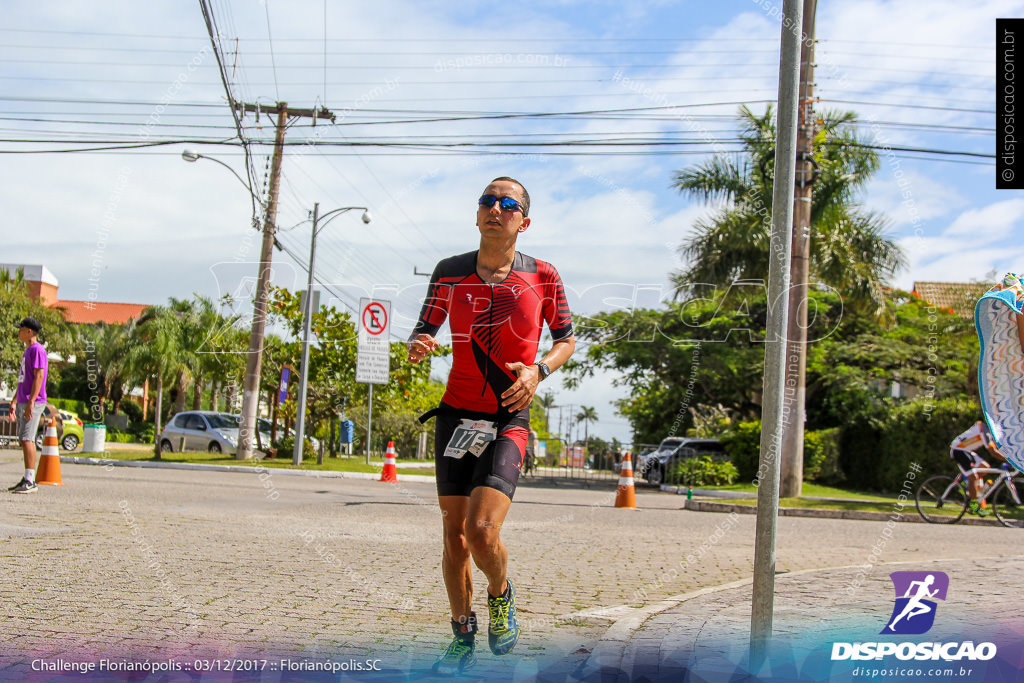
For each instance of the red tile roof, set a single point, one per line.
(957, 297)
(99, 311)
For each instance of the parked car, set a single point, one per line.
(648, 459)
(9, 435)
(200, 430)
(74, 430)
(661, 464)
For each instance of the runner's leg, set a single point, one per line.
(486, 514)
(455, 559)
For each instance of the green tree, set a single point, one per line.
(154, 352)
(705, 353)
(587, 415)
(16, 305)
(849, 248)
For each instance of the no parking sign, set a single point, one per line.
(373, 364)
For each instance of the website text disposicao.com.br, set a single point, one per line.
(911, 672)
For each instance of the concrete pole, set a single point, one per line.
(791, 482)
(254, 359)
(762, 603)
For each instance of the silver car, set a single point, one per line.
(200, 430)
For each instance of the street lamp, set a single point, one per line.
(254, 356)
(307, 315)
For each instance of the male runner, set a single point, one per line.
(496, 301)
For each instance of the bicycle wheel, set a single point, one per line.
(936, 505)
(1007, 510)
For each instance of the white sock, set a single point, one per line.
(30, 476)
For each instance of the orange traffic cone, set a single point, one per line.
(389, 473)
(49, 459)
(626, 496)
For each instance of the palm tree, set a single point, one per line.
(586, 415)
(105, 347)
(850, 250)
(547, 402)
(154, 351)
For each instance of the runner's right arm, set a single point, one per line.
(433, 314)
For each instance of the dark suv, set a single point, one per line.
(8, 429)
(661, 464)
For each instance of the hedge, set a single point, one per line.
(821, 453)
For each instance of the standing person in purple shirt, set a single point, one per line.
(30, 399)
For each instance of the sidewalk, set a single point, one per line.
(704, 635)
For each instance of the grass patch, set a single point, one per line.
(814, 490)
(342, 464)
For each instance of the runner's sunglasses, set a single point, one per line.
(506, 203)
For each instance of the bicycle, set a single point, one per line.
(944, 500)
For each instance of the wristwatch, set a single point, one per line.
(544, 370)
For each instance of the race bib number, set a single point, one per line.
(472, 436)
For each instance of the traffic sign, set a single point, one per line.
(373, 360)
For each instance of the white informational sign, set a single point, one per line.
(373, 363)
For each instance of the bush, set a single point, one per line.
(704, 471)
(119, 438)
(821, 456)
(821, 453)
(132, 409)
(80, 408)
(286, 446)
(743, 444)
(919, 433)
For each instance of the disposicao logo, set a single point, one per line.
(916, 592)
(914, 614)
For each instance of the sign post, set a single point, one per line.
(373, 362)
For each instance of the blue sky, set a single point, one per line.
(609, 221)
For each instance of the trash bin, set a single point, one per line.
(94, 438)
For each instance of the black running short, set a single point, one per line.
(966, 459)
(498, 464)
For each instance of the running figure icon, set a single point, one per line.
(916, 605)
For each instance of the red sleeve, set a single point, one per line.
(555, 307)
(435, 306)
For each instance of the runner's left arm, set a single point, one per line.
(556, 313)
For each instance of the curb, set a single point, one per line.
(707, 506)
(257, 469)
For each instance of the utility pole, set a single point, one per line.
(254, 359)
(772, 415)
(791, 481)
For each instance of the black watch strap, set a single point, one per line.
(544, 370)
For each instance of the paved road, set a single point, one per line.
(152, 564)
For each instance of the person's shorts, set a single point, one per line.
(967, 459)
(27, 428)
(497, 466)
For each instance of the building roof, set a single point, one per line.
(100, 311)
(958, 297)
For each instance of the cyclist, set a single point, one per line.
(965, 452)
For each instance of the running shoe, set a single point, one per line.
(24, 486)
(461, 652)
(20, 482)
(503, 631)
(976, 509)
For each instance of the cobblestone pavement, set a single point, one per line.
(709, 633)
(155, 564)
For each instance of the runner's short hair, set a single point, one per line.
(526, 195)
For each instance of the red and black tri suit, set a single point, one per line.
(491, 325)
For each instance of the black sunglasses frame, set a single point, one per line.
(506, 203)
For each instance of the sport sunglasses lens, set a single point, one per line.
(506, 203)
